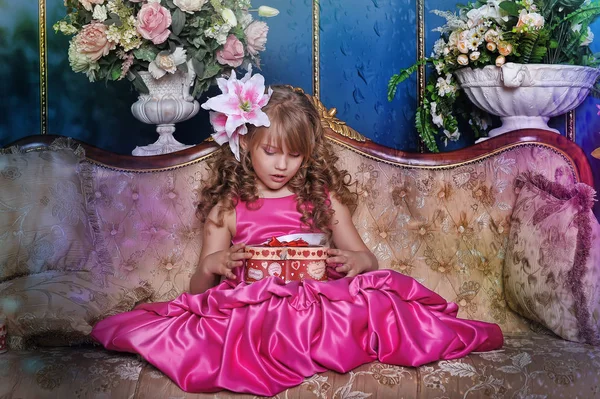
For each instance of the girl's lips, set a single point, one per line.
(277, 178)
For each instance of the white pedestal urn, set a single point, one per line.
(168, 102)
(526, 95)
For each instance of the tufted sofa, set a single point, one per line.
(97, 233)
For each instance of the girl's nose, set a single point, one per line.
(281, 163)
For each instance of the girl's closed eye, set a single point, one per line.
(269, 150)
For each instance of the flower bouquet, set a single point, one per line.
(495, 32)
(114, 39)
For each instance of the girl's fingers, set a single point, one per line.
(352, 273)
(230, 264)
(240, 255)
(237, 247)
(230, 275)
(342, 269)
(337, 259)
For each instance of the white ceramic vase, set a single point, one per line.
(526, 95)
(168, 102)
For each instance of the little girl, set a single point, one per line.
(278, 179)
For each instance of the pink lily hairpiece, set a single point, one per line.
(241, 102)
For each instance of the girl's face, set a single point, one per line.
(275, 165)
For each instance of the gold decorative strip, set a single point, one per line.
(43, 71)
(421, 55)
(316, 50)
(570, 128)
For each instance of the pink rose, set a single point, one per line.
(232, 53)
(153, 21)
(92, 41)
(87, 4)
(256, 37)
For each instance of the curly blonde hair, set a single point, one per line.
(296, 122)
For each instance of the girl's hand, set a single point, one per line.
(352, 262)
(222, 262)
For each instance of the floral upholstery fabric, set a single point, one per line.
(59, 308)
(148, 224)
(530, 365)
(448, 228)
(552, 269)
(43, 220)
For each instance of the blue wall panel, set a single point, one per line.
(363, 43)
(19, 70)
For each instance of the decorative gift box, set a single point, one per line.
(291, 261)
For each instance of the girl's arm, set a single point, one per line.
(350, 249)
(217, 257)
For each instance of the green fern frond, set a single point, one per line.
(401, 76)
(578, 16)
(426, 130)
(570, 4)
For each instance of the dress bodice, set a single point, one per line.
(274, 217)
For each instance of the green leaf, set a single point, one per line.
(198, 66)
(177, 21)
(511, 8)
(175, 38)
(137, 82)
(183, 67)
(211, 70)
(197, 42)
(115, 72)
(145, 53)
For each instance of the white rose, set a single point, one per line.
(491, 46)
(505, 48)
(500, 60)
(167, 62)
(463, 46)
(190, 6)
(536, 20)
(463, 60)
(491, 36)
(453, 39)
(474, 56)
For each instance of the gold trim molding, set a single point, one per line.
(316, 48)
(43, 67)
(420, 56)
(570, 128)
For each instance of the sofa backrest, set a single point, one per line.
(443, 219)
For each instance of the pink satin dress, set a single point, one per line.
(265, 337)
